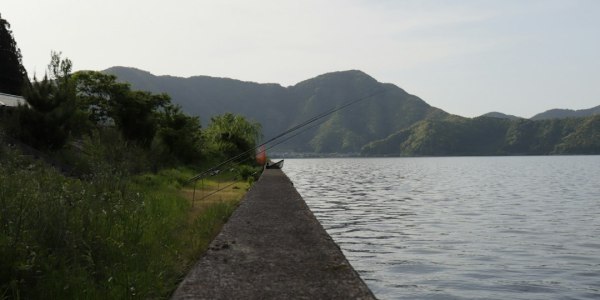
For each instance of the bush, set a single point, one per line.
(247, 173)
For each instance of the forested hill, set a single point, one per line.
(567, 113)
(278, 108)
(492, 136)
(500, 115)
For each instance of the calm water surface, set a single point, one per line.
(462, 228)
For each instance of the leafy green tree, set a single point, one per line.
(51, 115)
(99, 94)
(180, 135)
(231, 135)
(136, 114)
(12, 74)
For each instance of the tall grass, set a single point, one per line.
(110, 236)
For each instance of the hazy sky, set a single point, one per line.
(466, 57)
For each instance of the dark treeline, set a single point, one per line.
(82, 113)
(12, 74)
(70, 110)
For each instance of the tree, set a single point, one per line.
(51, 115)
(135, 113)
(232, 135)
(180, 135)
(99, 94)
(12, 74)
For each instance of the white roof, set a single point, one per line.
(11, 100)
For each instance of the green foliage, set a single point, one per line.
(247, 173)
(136, 117)
(230, 135)
(107, 149)
(135, 113)
(65, 106)
(99, 95)
(180, 135)
(51, 115)
(89, 108)
(13, 76)
(147, 119)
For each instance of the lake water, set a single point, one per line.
(462, 227)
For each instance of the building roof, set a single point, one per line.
(11, 100)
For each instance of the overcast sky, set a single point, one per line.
(466, 57)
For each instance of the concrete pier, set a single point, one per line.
(273, 248)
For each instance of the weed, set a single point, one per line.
(110, 236)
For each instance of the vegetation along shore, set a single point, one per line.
(96, 204)
(95, 201)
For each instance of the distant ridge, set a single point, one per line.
(567, 113)
(491, 136)
(500, 115)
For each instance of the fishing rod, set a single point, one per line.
(286, 132)
(247, 158)
(322, 115)
(282, 141)
(295, 135)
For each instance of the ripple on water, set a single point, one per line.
(462, 228)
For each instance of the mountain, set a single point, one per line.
(491, 136)
(499, 115)
(567, 113)
(391, 122)
(278, 108)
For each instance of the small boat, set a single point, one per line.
(272, 165)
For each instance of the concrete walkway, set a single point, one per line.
(273, 248)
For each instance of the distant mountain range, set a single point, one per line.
(491, 136)
(278, 108)
(550, 114)
(392, 122)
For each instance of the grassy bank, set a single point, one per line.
(109, 236)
